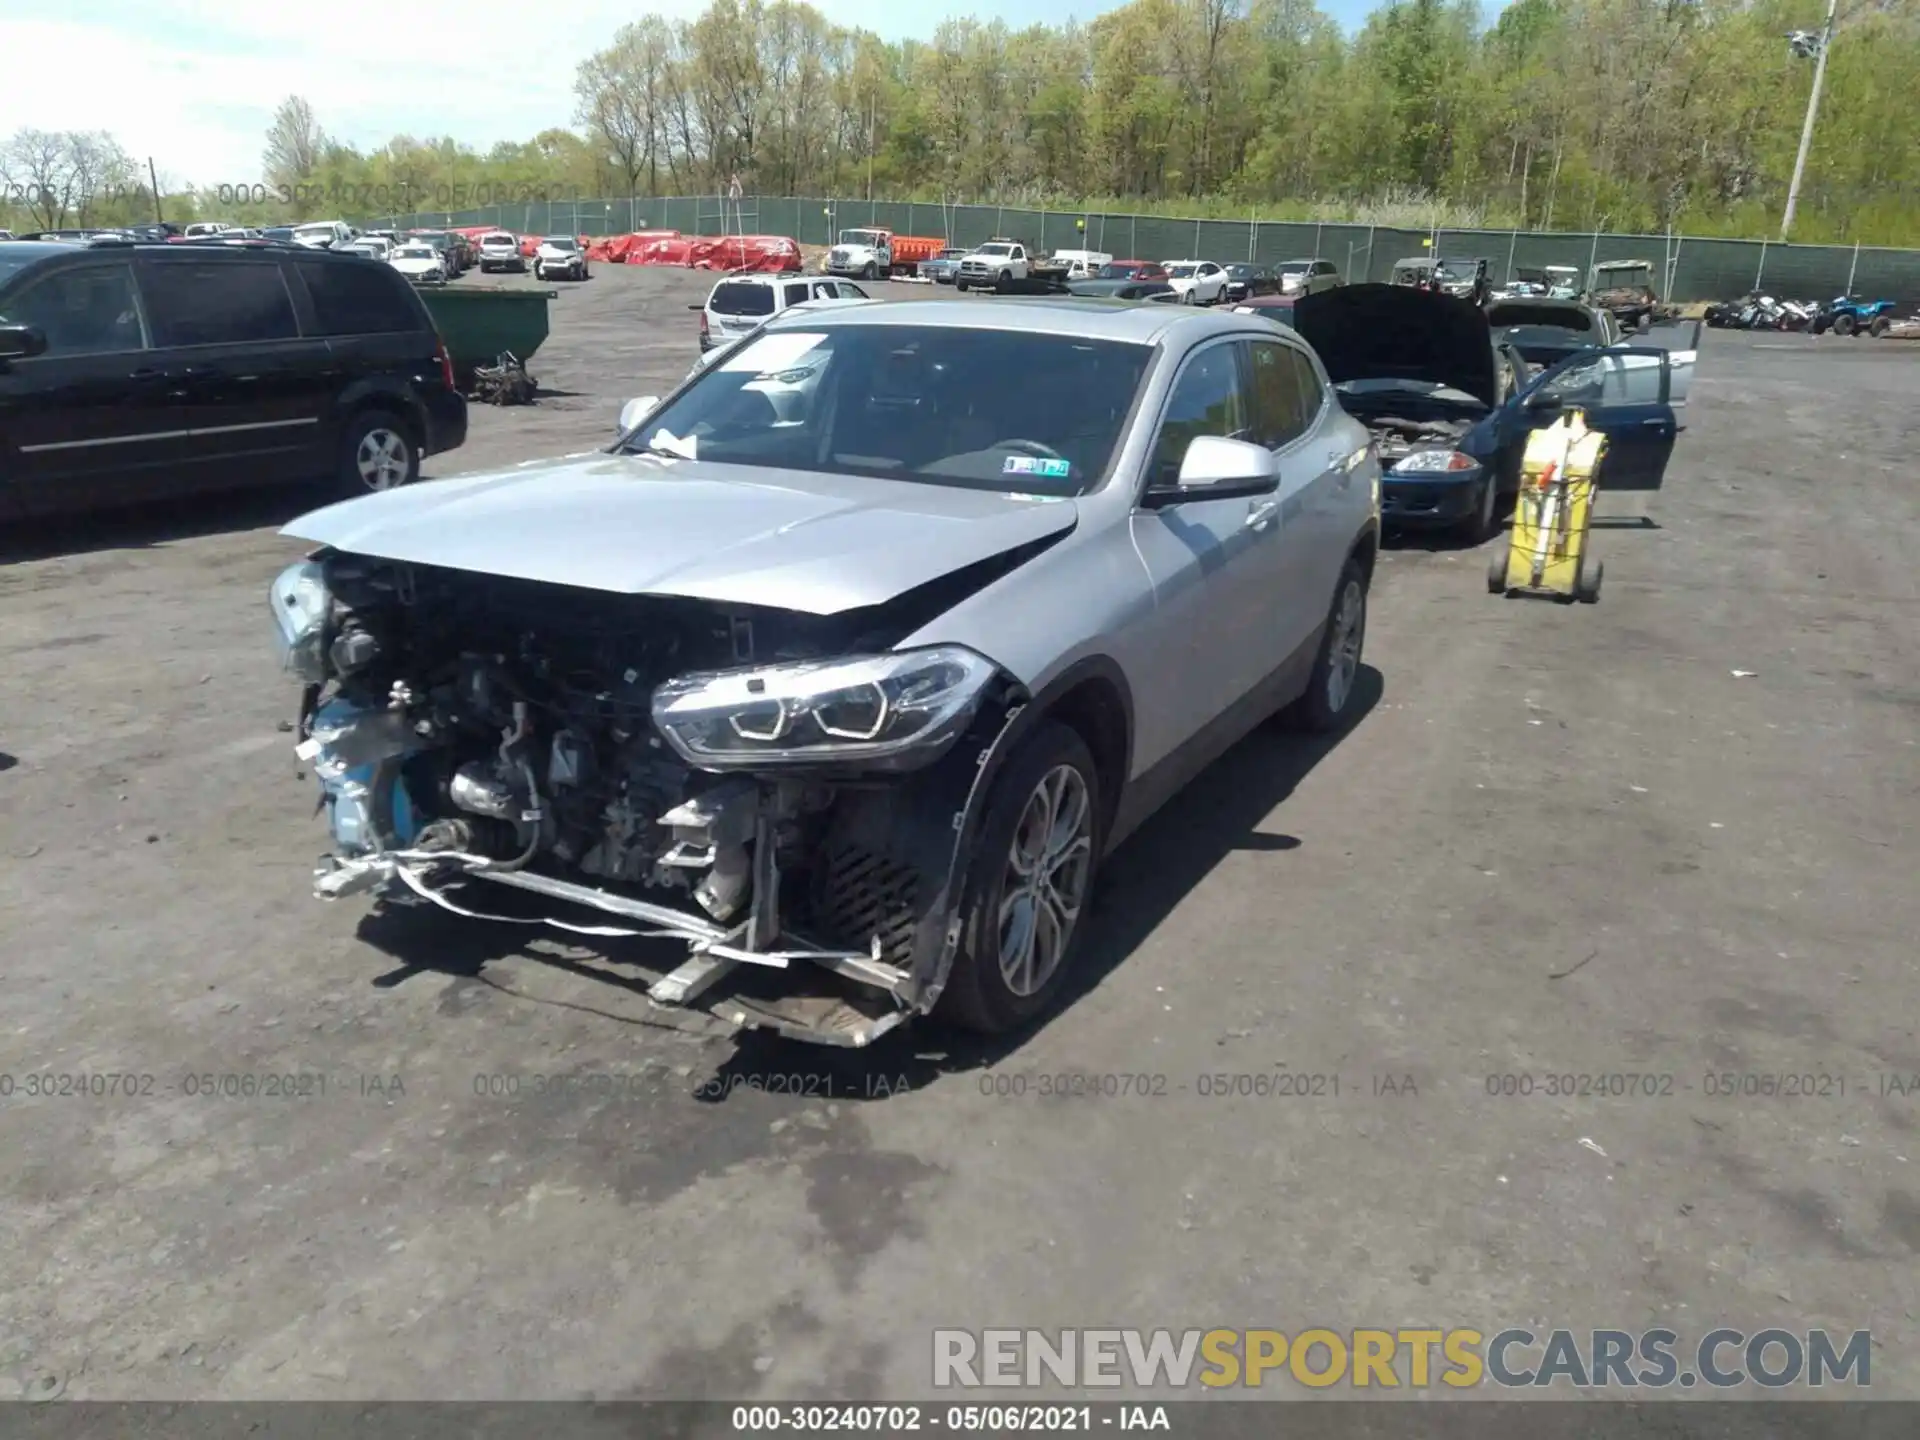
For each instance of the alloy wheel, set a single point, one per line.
(381, 459)
(1048, 866)
(1343, 649)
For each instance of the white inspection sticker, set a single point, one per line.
(773, 352)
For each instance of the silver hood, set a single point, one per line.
(635, 524)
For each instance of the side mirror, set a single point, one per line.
(1213, 462)
(19, 342)
(636, 410)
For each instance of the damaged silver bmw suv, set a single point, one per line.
(849, 661)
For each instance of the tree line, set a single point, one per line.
(1624, 115)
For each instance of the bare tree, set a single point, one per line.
(37, 166)
(103, 173)
(295, 143)
(622, 98)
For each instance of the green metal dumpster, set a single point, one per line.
(479, 322)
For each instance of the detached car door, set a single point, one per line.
(1625, 392)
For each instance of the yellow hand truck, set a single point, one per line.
(1546, 551)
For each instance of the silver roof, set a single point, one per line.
(1052, 315)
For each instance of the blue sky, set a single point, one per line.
(194, 83)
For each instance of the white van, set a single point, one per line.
(1082, 264)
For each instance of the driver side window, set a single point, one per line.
(1208, 398)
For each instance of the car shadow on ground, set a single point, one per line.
(1218, 813)
(159, 522)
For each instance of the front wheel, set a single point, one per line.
(1039, 846)
(1485, 520)
(1004, 283)
(377, 454)
(1329, 695)
(1845, 324)
(959, 287)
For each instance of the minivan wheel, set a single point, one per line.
(378, 454)
(1025, 906)
(1336, 669)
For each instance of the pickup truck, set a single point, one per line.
(1010, 267)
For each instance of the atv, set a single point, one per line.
(1849, 315)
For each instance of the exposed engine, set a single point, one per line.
(1398, 437)
(510, 720)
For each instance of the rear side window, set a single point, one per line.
(796, 294)
(358, 300)
(85, 311)
(738, 298)
(217, 304)
(1281, 412)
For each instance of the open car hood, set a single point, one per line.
(638, 525)
(1395, 332)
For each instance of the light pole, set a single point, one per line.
(1817, 46)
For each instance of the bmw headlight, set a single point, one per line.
(1431, 462)
(894, 712)
(300, 601)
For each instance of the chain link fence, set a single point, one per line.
(1693, 268)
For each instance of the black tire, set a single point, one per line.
(1845, 324)
(1004, 283)
(1497, 569)
(873, 272)
(978, 995)
(1320, 710)
(396, 464)
(1879, 326)
(959, 286)
(1484, 523)
(1586, 584)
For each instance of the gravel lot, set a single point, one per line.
(1667, 835)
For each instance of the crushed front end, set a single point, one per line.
(783, 793)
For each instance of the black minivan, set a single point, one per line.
(129, 371)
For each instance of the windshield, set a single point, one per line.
(1120, 272)
(741, 297)
(418, 252)
(1002, 410)
(996, 250)
(1626, 277)
(562, 244)
(951, 254)
(1182, 272)
(1295, 267)
(313, 230)
(859, 237)
(499, 240)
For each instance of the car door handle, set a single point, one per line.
(1259, 515)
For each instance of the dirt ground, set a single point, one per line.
(1669, 836)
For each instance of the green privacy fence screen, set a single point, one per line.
(1694, 269)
